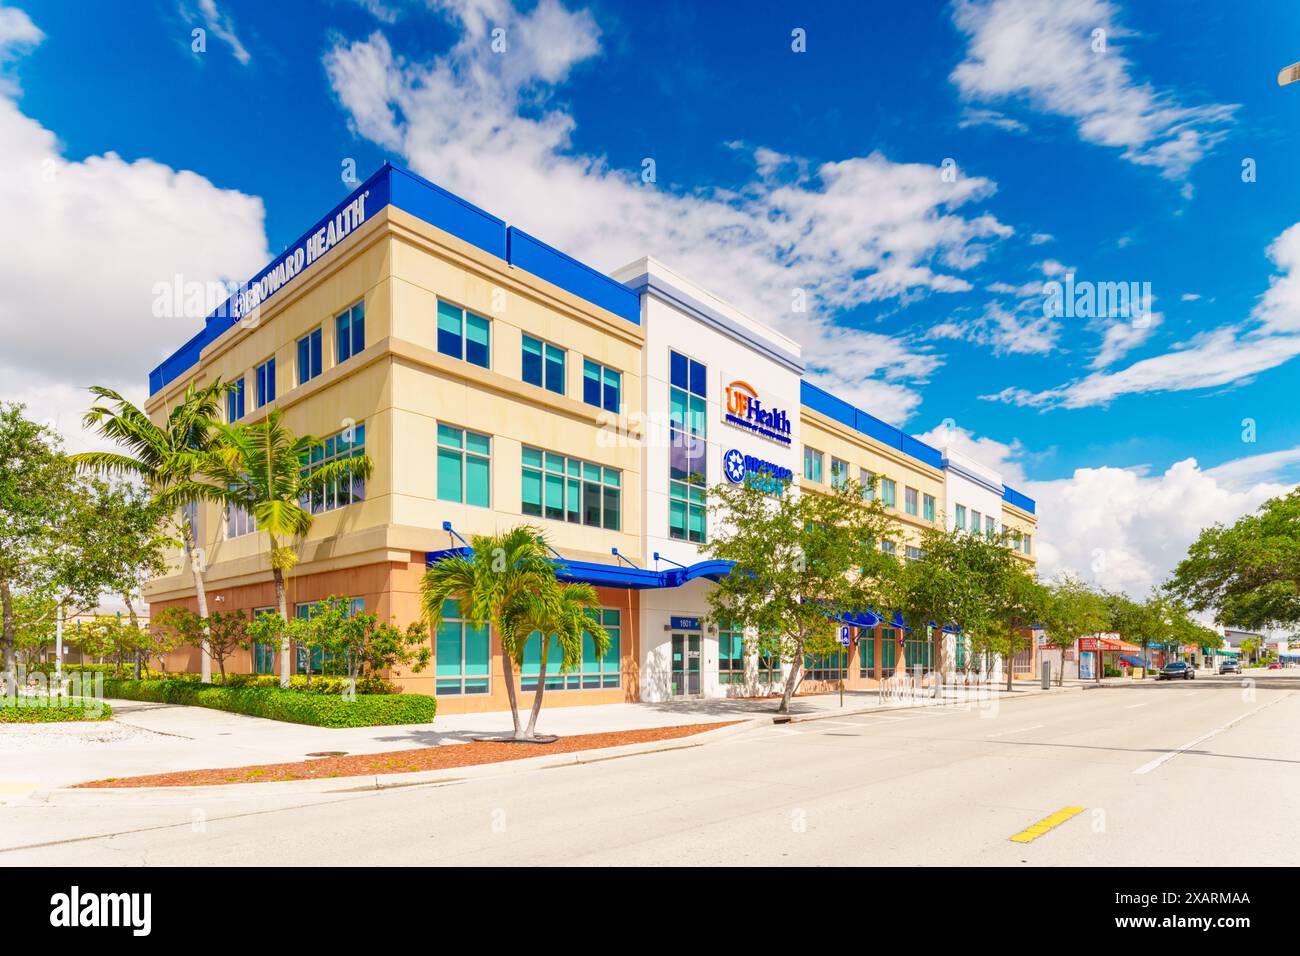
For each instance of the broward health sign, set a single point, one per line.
(341, 223)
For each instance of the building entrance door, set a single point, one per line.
(686, 665)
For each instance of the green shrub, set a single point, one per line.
(291, 706)
(59, 710)
(298, 682)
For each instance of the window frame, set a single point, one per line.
(575, 478)
(603, 372)
(546, 365)
(346, 324)
(264, 378)
(310, 353)
(356, 491)
(459, 685)
(464, 453)
(462, 354)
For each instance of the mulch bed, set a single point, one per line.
(403, 761)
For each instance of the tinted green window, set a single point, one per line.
(464, 466)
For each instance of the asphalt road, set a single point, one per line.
(1197, 773)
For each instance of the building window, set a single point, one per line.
(888, 650)
(265, 376)
(888, 492)
(959, 518)
(349, 443)
(593, 673)
(309, 357)
(190, 516)
(464, 466)
(350, 332)
(464, 335)
(975, 519)
(927, 507)
(568, 489)
(238, 522)
(867, 655)
(839, 473)
(918, 651)
(888, 546)
(1025, 543)
(910, 500)
(688, 406)
(990, 526)
(601, 386)
(461, 654)
(731, 654)
(543, 365)
(827, 667)
(914, 554)
(867, 479)
(235, 401)
(812, 464)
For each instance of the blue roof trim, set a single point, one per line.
(614, 575)
(820, 400)
(412, 193)
(1021, 501)
(532, 255)
(729, 327)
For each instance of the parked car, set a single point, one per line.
(1176, 669)
(1230, 667)
(1274, 666)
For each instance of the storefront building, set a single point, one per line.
(495, 381)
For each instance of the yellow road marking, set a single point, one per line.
(1029, 834)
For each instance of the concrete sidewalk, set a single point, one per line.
(144, 738)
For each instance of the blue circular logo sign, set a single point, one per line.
(733, 466)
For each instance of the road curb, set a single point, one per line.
(856, 711)
(388, 781)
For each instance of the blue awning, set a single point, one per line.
(614, 575)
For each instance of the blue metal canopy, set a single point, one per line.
(614, 575)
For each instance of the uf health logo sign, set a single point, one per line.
(745, 410)
(764, 475)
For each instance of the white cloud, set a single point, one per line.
(220, 25)
(971, 117)
(121, 227)
(1042, 52)
(1125, 529)
(849, 232)
(1227, 355)
(1122, 336)
(1189, 297)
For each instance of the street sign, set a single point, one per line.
(844, 636)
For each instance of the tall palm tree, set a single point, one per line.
(262, 469)
(166, 457)
(498, 569)
(567, 611)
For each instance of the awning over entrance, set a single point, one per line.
(613, 575)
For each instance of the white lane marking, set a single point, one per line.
(1153, 764)
(1133, 706)
(1018, 730)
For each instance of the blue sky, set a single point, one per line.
(775, 170)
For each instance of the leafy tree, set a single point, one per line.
(108, 637)
(362, 645)
(945, 589)
(1073, 610)
(1017, 601)
(1247, 574)
(495, 574)
(223, 631)
(51, 540)
(801, 561)
(164, 457)
(262, 469)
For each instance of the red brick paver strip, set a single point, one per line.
(404, 761)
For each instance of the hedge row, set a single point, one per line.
(319, 684)
(56, 710)
(316, 709)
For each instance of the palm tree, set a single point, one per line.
(262, 469)
(562, 610)
(166, 458)
(497, 571)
